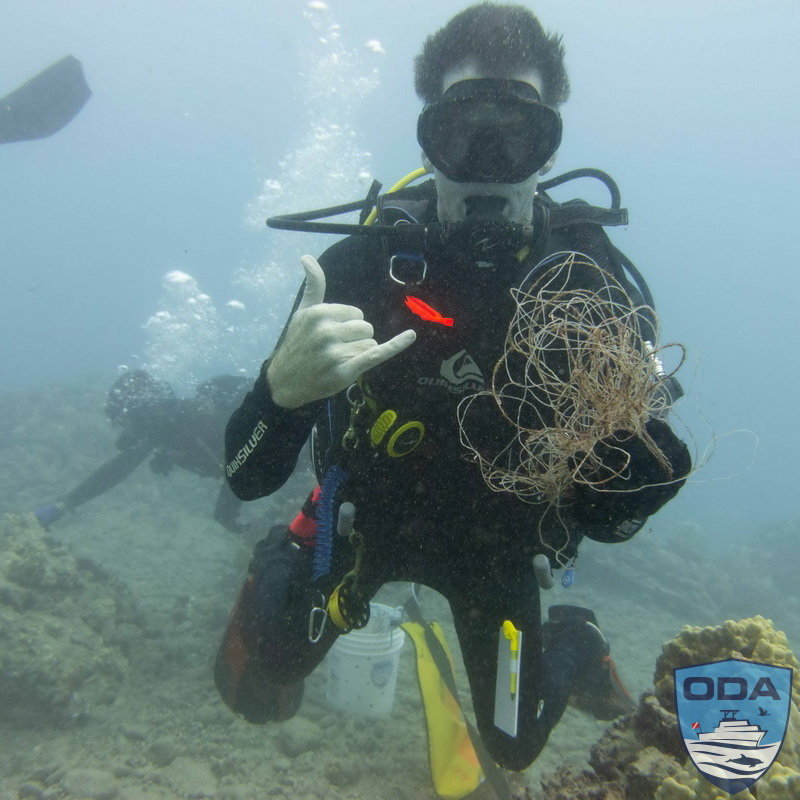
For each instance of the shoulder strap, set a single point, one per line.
(586, 226)
(577, 212)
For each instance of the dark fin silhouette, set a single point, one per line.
(45, 103)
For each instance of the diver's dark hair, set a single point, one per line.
(500, 39)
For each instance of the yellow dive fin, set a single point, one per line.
(455, 769)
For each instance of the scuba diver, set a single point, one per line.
(172, 432)
(44, 104)
(394, 326)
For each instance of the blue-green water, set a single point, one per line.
(204, 119)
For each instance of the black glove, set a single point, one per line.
(48, 514)
(614, 502)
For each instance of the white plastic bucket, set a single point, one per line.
(363, 664)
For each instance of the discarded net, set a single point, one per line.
(581, 366)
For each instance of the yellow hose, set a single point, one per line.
(404, 181)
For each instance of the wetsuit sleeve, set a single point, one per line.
(263, 441)
(107, 476)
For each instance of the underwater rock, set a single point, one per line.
(48, 774)
(162, 751)
(136, 733)
(641, 756)
(90, 784)
(30, 791)
(298, 736)
(58, 658)
(190, 778)
(571, 784)
(650, 769)
(242, 791)
(343, 772)
(655, 726)
(145, 792)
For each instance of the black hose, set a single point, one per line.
(586, 172)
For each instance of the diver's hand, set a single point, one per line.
(642, 484)
(326, 347)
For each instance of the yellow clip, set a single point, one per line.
(513, 635)
(335, 611)
(381, 426)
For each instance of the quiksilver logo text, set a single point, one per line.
(465, 388)
(244, 452)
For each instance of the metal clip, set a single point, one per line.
(568, 578)
(350, 437)
(317, 620)
(408, 259)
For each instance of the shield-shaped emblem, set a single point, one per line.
(733, 716)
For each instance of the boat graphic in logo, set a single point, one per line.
(461, 368)
(733, 716)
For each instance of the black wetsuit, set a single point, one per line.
(429, 517)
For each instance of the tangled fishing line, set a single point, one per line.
(581, 367)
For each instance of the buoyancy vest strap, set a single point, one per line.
(576, 212)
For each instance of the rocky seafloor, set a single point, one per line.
(110, 620)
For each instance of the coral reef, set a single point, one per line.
(65, 628)
(752, 639)
(642, 756)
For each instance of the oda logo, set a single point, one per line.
(733, 716)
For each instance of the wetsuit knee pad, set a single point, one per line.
(281, 599)
(266, 652)
(260, 700)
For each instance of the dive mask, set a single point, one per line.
(489, 130)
